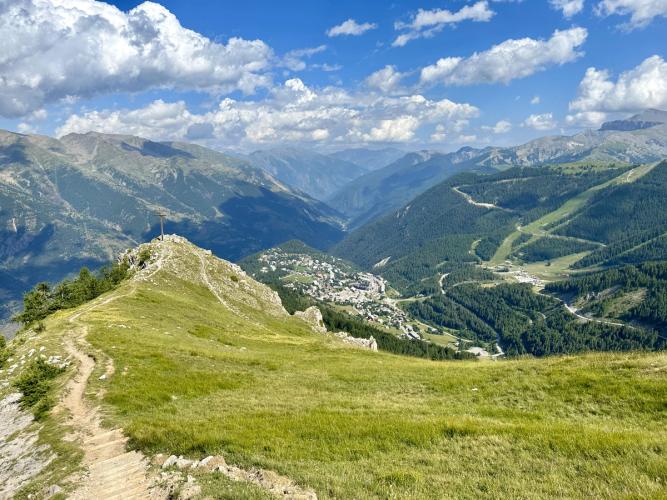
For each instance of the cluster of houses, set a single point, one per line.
(331, 280)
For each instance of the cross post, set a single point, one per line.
(161, 215)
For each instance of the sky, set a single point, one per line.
(331, 74)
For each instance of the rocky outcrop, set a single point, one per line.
(21, 456)
(370, 343)
(313, 317)
(276, 485)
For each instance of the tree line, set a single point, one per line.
(45, 299)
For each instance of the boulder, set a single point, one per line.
(170, 462)
(369, 343)
(313, 317)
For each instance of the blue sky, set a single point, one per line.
(255, 74)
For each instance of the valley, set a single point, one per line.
(333, 250)
(258, 390)
(333, 281)
(513, 313)
(488, 288)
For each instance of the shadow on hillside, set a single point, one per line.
(254, 223)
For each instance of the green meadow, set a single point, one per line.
(197, 378)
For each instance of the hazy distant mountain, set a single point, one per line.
(647, 119)
(370, 159)
(77, 201)
(639, 139)
(386, 189)
(315, 174)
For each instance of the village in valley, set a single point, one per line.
(332, 280)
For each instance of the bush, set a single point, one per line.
(4, 352)
(144, 257)
(35, 385)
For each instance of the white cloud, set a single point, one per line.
(158, 119)
(386, 79)
(350, 28)
(26, 128)
(293, 60)
(401, 129)
(586, 119)
(54, 50)
(508, 60)
(439, 135)
(540, 122)
(535, 100)
(568, 7)
(502, 127)
(644, 86)
(641, 12)
(426, 23)
(293, 112)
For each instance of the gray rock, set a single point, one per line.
(313, 317)
(183, 463)
(170, 462)
(53, 491)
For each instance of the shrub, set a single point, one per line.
(35, 385)
(4, 352)
(144, 257)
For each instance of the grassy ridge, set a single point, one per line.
(195, 378)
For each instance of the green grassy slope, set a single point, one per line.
(194, 376)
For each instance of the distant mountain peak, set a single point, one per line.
(308, 171)
(652, 115)
(646, 119)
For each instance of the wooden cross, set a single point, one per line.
(161, 216)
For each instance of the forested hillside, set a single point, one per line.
(631, 219)
(459, 249)
(637, 294)
(463, 219)
(523, 322)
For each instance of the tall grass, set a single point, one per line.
(194, 378)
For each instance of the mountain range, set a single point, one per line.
(639, 139)
(310, 172)
(81, 199)
(369, 159)
(388, 188)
